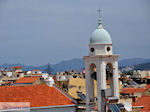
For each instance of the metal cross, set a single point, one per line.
(99, 10)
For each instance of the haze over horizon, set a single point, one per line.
(37, 32)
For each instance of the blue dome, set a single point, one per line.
(100, 36)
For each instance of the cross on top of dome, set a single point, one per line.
(99, 11)
(99, 19)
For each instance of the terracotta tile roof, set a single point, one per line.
(36, 70)
(7, 82)
(37, 95)
(133, 90)
(143, 101)
(148, 86)
(147, 77)
(27, 79)
(37, 74)
(16, 67)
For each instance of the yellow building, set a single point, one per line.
(78, 85)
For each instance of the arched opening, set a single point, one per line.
(109, 79)
(93, 71)
(93, 78)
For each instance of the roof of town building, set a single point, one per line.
(148, 86)
(7, 82)
(27, 79)
(37, 74)
(38, 95)
(133, 90)
(16, 67)
(143, 101)
(36, 70)
(148, 77)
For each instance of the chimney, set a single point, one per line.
(133, 99)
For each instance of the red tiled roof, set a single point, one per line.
(37, 74)
(17, 67)
(143, 101)
(36, 70)
(8, 82)
(148, 86)
(27, 79)
(133, 90)
(37, 95)
(147, 77)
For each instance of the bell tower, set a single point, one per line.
(100, 65)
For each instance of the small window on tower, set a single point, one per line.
(108, 48)
(92, 49)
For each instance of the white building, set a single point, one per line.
(141, 74)
(100, 65)
(61, 78)
(36, 71)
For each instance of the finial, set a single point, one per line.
(99, 19)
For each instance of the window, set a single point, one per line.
(108, 48)
(92, 49)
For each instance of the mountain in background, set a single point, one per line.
(78, 64)
(132, 61)
(25, 67)
(73, 64)
(144, 66)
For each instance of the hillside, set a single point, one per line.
(144, 66)
(132, 61)
(78, 64)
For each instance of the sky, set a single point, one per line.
(37, 32)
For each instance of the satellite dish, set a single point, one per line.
(29, 72)
(50, 81)
(127, 106)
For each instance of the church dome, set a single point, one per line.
(100, 36)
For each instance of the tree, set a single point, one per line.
(49, 69)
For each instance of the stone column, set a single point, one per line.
(115, 79)
(103, 75)
(99, 82)
(102, 80)
(89, 88)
